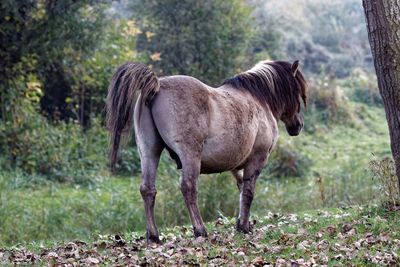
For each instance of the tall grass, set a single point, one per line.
(384, 172)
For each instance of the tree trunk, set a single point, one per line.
(383, 23)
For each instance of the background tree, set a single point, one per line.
(337, 46)
(44, 38)
(383, 17)
(206, 39)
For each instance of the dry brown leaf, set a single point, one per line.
(331, 230)
(346, 227)
(91, 261)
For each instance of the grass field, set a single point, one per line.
(34, 209)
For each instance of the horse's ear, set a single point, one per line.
(295, 66)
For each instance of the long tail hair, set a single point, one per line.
(130, 82)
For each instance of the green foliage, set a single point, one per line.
(48, 27)
(90, 75)
(128, 162)
(330, 100)
(362, 87)
(327, 105)
(384, 172)
(21, 94)
(36, 37)
(286, 161)
(204, 39)
(68, 78)
(60, 212)
(338, 44)
(267, 40)
(63, 153)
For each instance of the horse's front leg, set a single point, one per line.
(190, 173)
(248, 187)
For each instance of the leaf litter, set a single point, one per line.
(327, 238)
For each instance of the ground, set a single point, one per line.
(353, 236)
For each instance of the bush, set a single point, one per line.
(384, 172)
(363, 88)
(285, 161)
(128, 162)
(62, 153)
(327, 104)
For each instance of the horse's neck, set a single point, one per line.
(246, 94)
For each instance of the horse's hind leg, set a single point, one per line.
(190, 174)
(148, 192)
(183, 130)
(238, 174)
(150, 146)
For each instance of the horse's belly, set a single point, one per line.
(223, 154)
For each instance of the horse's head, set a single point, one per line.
(280, 85)
(290, 114)
(294, 124)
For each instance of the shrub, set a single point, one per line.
(327, 104)
(62, 153)
(384, 172)
(363, 88)
(128, 162)
(285, 161)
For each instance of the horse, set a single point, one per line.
(205, 129)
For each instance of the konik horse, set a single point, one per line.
(205, 129)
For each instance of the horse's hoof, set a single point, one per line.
(200, 232)
(245, 229)
(152, 239)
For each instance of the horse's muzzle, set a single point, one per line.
(294, 130)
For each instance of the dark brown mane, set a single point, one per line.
(273, 84)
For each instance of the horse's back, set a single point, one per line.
(182, 85)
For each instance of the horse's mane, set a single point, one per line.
(274, 84)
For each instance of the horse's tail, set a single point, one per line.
(130, 82)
